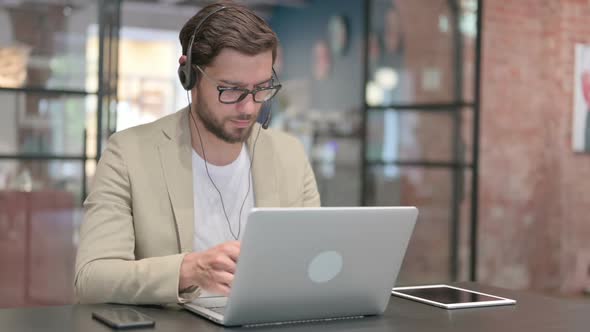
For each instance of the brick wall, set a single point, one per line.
(535, 191)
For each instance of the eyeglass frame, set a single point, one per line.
(245, 92)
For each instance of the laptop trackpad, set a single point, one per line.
(211, 302)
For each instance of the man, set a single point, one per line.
(170, 199)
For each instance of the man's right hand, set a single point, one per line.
(212, 270)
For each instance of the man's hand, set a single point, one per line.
(212, 270)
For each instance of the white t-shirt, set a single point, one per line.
(211, 226)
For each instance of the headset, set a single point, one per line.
(188, 79)
(188, 76)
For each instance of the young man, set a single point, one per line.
(170, 199)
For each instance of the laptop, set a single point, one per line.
(308, 264)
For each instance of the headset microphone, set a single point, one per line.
(266, 108)
(269, 111)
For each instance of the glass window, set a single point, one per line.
(412, 53)
(419, 135)
(44, 45)
(149, 35)
(429, 254)
(45, 124)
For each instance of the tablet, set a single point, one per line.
(450, 297)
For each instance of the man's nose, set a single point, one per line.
(248, 105)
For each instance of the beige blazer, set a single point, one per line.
(139, 218)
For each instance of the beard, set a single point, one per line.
(216, 125)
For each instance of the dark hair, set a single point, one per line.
(235, 27)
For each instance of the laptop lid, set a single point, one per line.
(318, 263)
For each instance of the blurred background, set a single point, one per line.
(463, 108)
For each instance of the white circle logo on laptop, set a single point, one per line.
(325, 266)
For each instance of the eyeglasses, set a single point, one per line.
(232, 95)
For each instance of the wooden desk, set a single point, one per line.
(532, 313)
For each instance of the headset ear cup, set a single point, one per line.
(186, 75)
(181, 75)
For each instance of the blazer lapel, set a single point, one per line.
(176, 159)
(266, 192)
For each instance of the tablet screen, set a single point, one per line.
(447, 295)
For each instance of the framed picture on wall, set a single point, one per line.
(338, 31)
(581, 121)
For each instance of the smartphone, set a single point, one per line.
(123, 318)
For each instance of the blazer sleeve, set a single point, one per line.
(311, 195)
(106, 268)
